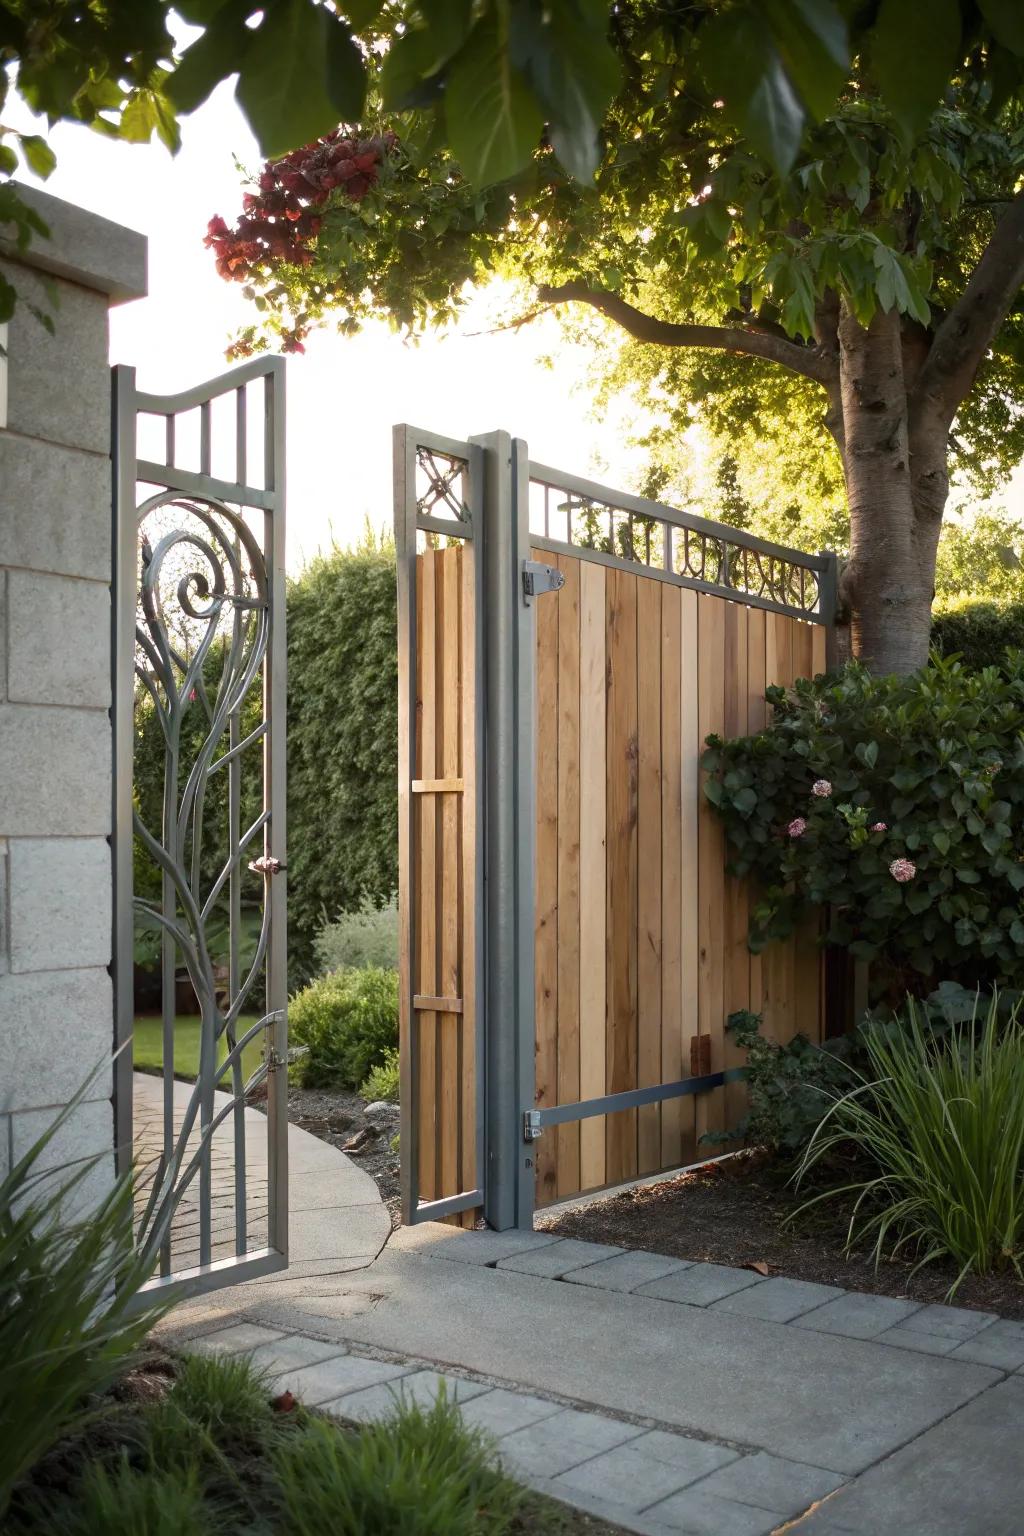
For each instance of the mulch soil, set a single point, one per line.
(338, 1117)
(733, 1212)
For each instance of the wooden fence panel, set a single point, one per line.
(641, 949)
(442, 1017)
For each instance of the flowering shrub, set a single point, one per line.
(283, 213)
(898, 805)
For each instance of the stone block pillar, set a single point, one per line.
(56, 1005)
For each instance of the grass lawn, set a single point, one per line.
(148, 1046)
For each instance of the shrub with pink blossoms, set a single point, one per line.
(902, 870)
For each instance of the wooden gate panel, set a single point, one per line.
(641, 949)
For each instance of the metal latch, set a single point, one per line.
(266, 864)
(532, 1128)
(539, 578)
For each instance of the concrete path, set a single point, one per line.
(667, 1397)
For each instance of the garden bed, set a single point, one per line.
(732, 1212)
(198, 1446)
(338, 1117)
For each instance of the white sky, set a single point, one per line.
(345, 393)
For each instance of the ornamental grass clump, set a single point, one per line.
(937, 1122)
(895, 805)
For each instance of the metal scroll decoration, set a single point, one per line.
(202, 630)
(441, 484)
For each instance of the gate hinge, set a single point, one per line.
(532, 1128)
(539, 578)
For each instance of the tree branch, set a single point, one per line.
(968, 330)
(810, 361)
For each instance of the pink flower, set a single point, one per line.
(822, 788)
(879, 826)
(797, 827)
(902, 870)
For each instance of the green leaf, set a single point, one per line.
(745, 801)
(346, 72)
(811, 37)
(866, 752)
(410, 74)
(494, 120)
(918, 900)
(211, 58)
(573, 71)
(913, 59)
(283, 83)
(38, 154)
(1006, 18)
(742, 67)
(968, 876)
(940, 841)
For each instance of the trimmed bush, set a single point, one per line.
(348, 1022)
(940, 1121)
(368, 936)
(979, 632)
(382, 1083)
(896, 803)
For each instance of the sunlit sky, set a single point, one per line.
(345, 393)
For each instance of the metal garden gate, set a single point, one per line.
(571, 945)
(199, 647)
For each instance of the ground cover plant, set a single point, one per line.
(895, 805)
(348, 1022)
(936, 1123)
(197, 1445)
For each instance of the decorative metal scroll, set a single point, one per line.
(200, 644)
(681, 547)
(440, 485)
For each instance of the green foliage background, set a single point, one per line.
(342, 750)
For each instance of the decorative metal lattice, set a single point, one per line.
(441, 485)
(563, 513)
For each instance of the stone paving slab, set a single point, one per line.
(556, 1444)
(556, 1259)
(701, 1284)
(293, 1352)
(236, 1339)
(638, 1474)
(626, 1271)
(964, 1478)
(487, 1248)
(500, 1412)
(696, 1513)
(1001, 1344)
(770, 1482)
(777, 1300)
(959, 1323)
(421, 1388)
(333, 1378)
(904, 1337)
(858, 1315)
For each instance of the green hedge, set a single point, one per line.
(348, 1022)
(979, 632)
(342, 751)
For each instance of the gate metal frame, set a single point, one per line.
(713, 558)
(213, 500)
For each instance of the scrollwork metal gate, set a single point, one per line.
(199, 646)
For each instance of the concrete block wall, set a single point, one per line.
(56, 1003)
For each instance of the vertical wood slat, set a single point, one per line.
(567, 1139)
(467, 1066)
(671, 872)
(546, 887)
(757, 719)
(692, 798)
(736, 954)
(426, 870)
(649, 855)
(450, 979)
(621, 1000)
(593, 868)
(711, 614)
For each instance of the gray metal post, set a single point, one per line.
(828, 605)
(508, 695)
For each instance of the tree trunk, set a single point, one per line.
(896, 486)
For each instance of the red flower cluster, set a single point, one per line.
(279, 221)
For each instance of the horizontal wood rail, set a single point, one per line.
(437, 1004)
(437, 786)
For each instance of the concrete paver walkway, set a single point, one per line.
(666, 1396)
